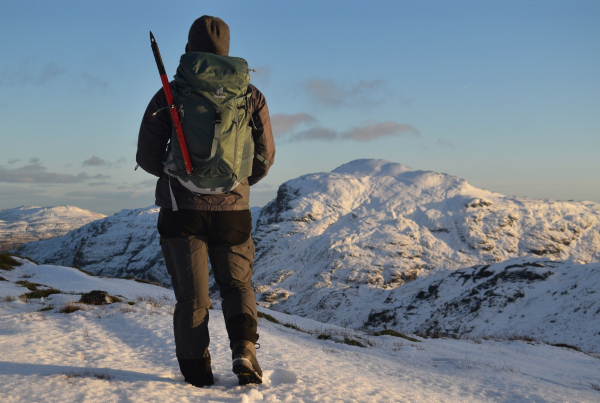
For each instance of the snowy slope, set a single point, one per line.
(551, 301)
(27, 224)
(120, 352)
(125, 244)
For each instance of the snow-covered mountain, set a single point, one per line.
(341, 246)
(125, 244)
(370, 226)
(28, 224)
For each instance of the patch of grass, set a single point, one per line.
(29, 285)
(156, 302)
(293, 326)
(518, 337)
(84, 271)
(40, 293)
(48, 308)
(35, 293)
(268, 317)
(595, 386)
(8, 298)
(89, 373)
(389, 332)
(70, 308)
(288, 325)
(131, 302)
(7, 262)
(563, 345)
(324, 336)
(352, 342)
(140, 280)
(3, 279)
(115, 299)
(25, 257)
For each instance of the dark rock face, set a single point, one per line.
(281, 204)
(96, 297)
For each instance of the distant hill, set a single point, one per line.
(27, 224)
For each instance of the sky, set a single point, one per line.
(504, 94)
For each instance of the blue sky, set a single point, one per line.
(505, 94)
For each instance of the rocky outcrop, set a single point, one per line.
(540, 299)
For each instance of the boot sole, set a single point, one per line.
(242, 367)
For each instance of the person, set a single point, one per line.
(208, 226)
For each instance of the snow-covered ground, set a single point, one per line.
(123, 352)
(28, 224)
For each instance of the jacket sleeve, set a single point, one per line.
(264, 145)
(155, 132)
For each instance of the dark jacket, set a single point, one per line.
(155, 133)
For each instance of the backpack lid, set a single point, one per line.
(220, 79)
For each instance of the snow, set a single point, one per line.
(119, 352)
(370, 167)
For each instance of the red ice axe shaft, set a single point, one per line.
(172, 108)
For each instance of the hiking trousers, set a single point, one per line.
(188, 239)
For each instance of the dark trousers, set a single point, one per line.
(188, 239)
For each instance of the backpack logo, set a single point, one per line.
(218, 93)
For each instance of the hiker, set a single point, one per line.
(200, 218)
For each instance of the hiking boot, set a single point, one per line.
(245, 365)
(197, 371)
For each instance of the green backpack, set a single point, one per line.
(212, 96)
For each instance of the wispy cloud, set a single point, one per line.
(282, 123)
(93, 82)
(328, 92)
(379, 129)
(35, 173)
(103, 183)
(13, 161)
(366, 132)
(30, 72)
(95, 162)
(145, 184)
(315, 133)
(119, 163)
(444, 143)
(49, 72)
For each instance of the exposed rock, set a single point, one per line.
(96, 297)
